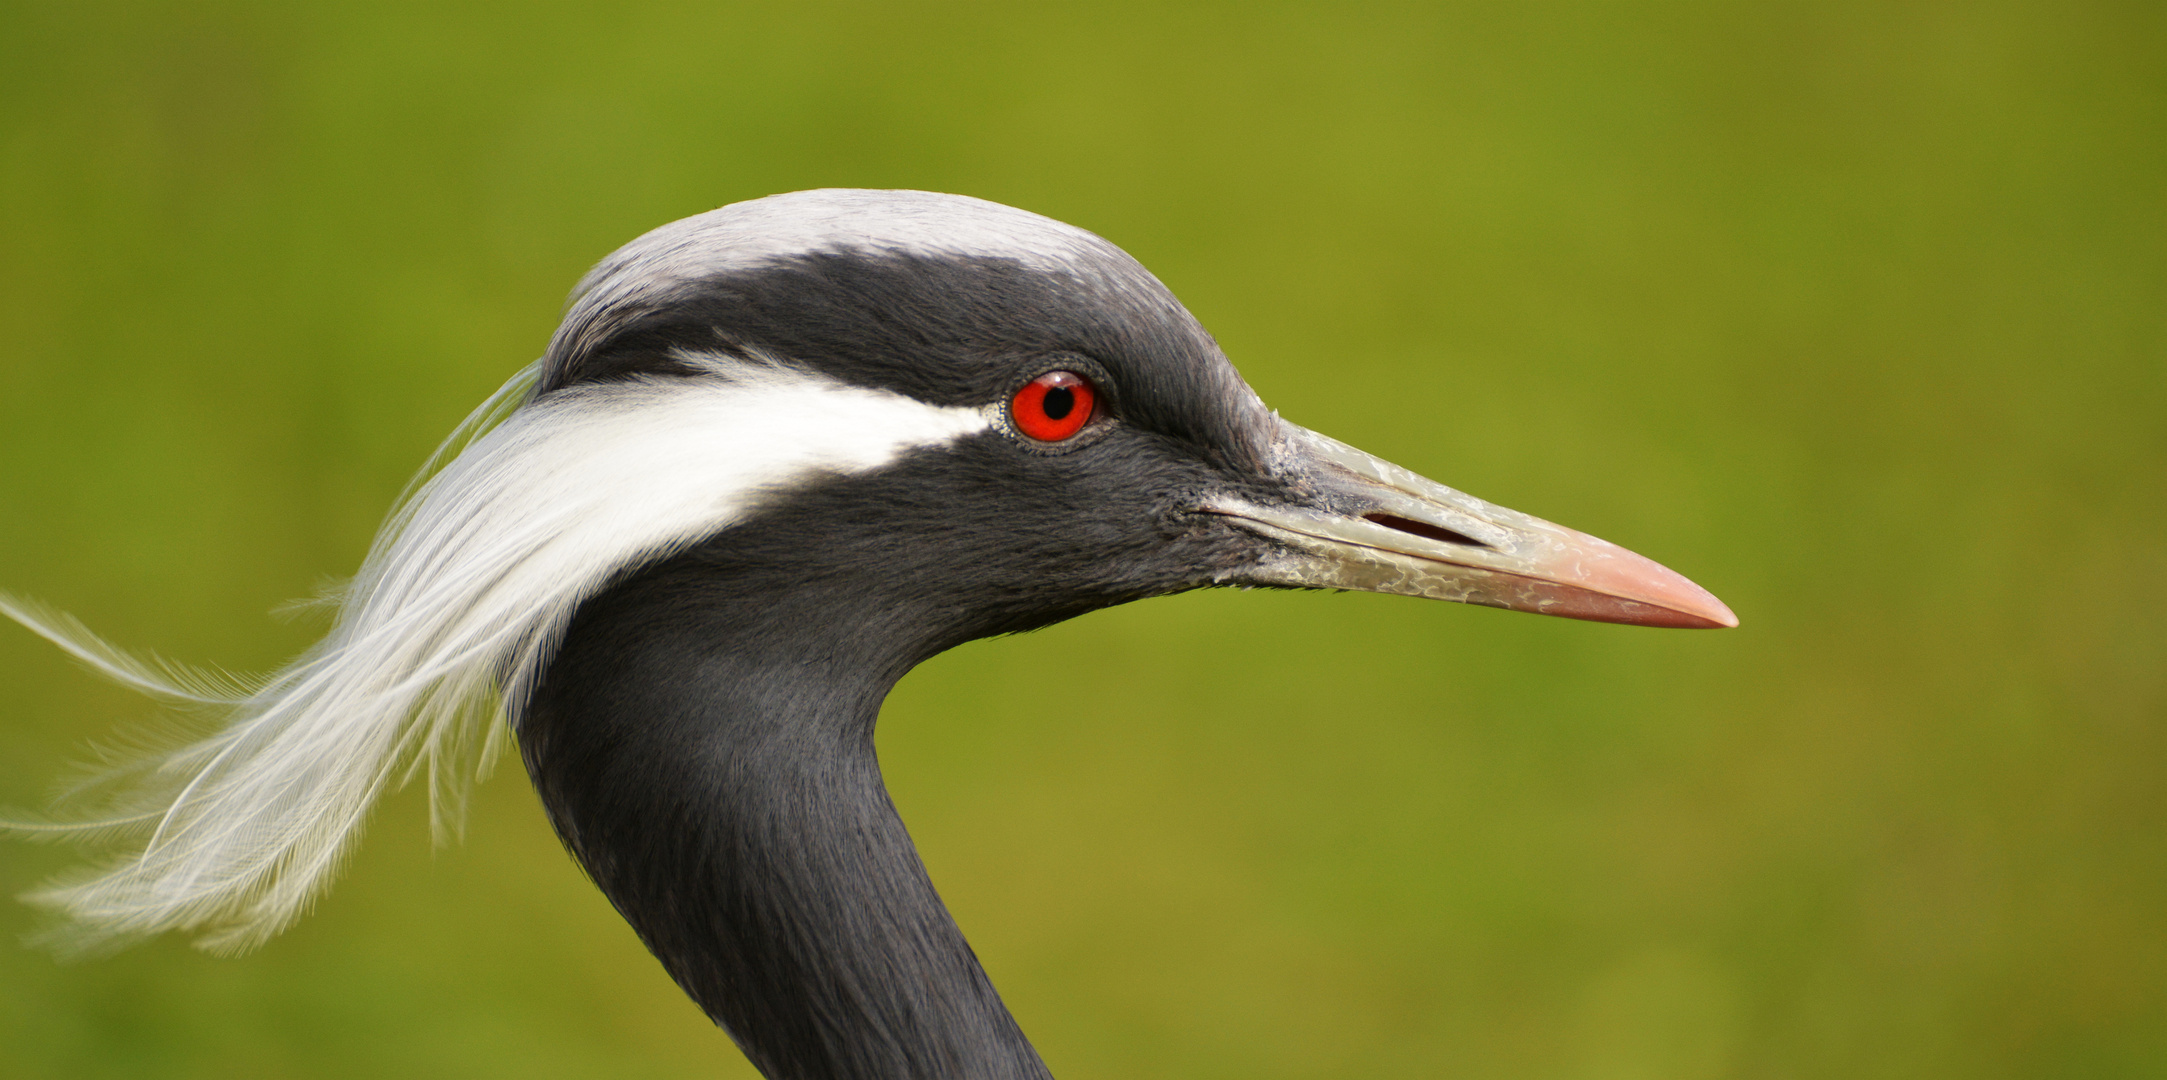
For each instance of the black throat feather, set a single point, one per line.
(708, 757)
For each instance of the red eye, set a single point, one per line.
(1053, 406)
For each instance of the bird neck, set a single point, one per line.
(707, 755)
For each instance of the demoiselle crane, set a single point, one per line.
(775, 456)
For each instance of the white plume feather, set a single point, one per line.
(451, 619)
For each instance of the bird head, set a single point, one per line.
(828, 432)
(988, 420)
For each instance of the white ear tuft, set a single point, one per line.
(452, 618)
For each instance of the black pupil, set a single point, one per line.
(1059, 400)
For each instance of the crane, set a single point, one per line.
(775, 456)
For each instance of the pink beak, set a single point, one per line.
(1377, 527)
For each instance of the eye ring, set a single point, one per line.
(1053, 407)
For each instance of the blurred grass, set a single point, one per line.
(1856, 313)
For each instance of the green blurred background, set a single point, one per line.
(1854, 312)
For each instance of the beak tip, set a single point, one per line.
(1702, 611)
(1624, 587)
(1717, 617)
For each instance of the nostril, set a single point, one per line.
(1423, 529)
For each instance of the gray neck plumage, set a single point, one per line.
(703, 742)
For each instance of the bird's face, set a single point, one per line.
(1057, 432)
